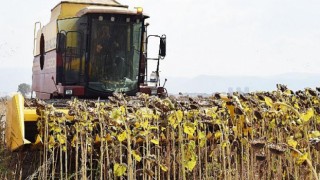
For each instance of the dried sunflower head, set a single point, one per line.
(277, 149)
(258, 143)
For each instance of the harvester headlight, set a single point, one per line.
(69, 92)
(139, 10)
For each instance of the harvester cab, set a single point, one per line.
(89, 49)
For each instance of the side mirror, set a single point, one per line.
(61, 43)
(162, 48)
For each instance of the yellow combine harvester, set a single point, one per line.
(89, 49)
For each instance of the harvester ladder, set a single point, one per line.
(35, 35)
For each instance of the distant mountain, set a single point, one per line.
(10, 78)
(210, 84)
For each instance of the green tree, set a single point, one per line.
(24, 89)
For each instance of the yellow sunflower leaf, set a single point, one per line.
(143, 133)
(145, 124)
(173, 120)
(211, 154)
(38, 139)
(298, 135)
(122, 109)
(202, 142)
(108, 137)
(97, 139)
(119, 169)
(287, 92)
(247, 131)
(52, 142)
(162, 136)
(64, 148)
(192, 145)
(315, 134)
(224, 144)
(292, 142)
(189, 128)
(272, 124)
(115, 114)
(136, 155)
(191, 164)
(283, 108)
(153, 128)
(74, 141)
(163, 167)
(121, 137)
(268, 101)
(61, 139)
(305, 117)
(217, 135)
(318, 119)
(179, 115)
(201, 135)
(155, 141)
(235, 131)
(56, 129)
(302, 158)
(137, 124)
(218, 121)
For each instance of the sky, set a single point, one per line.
(204, 37)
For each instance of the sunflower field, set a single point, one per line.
(259, 135)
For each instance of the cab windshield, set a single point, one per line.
(115, 47)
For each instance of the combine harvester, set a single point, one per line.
(90, 49)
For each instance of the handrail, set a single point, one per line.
(35, 36)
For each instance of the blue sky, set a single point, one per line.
(205, 37)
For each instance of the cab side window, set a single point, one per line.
(42, 49)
